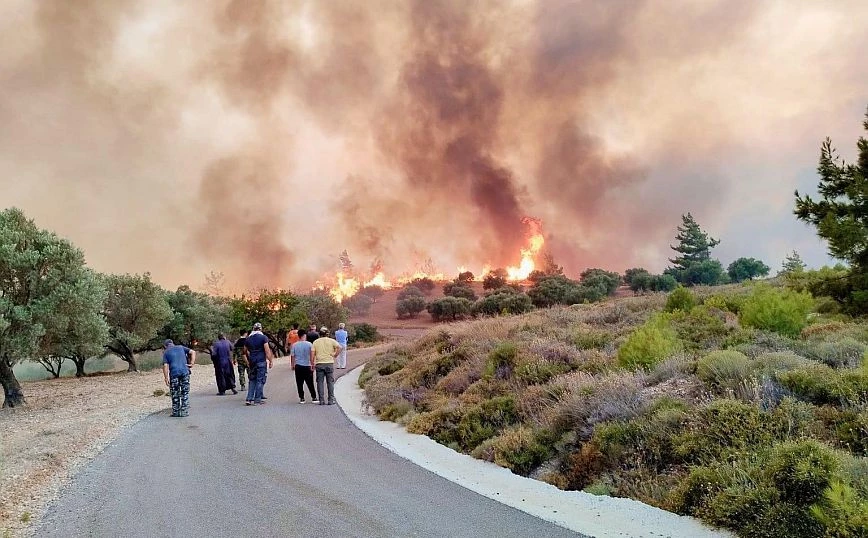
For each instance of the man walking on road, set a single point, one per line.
(260, 359)
(325, 350)
(341, 336)
(299, 356)
(221, 356)
(177, 361)
(240, 359)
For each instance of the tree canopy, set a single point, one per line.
(747, 269)
(39, 275)
(135, 309)
(840, 215)
(693, 263)
(792, 264)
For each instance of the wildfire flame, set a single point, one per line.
(345, 285)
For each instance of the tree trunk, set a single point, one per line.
(13, 397)
(130, 359)
(79, 366)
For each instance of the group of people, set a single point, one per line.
(311, 351)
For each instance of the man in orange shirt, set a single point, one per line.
(291, 337)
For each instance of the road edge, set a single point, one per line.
(596, 516)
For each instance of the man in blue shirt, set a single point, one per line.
(342, 337)
(221, 356)
(260, 359)
(299, 356)
(177, 361)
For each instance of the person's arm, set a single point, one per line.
(338, 351)
(191, 358)
(269, 356)
(312, 358)
(166, 373)
(291, 357)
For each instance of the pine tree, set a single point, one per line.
(841, 215)
(792, 264)
(841, 218)
(694, 245)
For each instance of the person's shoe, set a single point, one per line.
(174, 415)
(248, 402)
(315, 400)
(264, 398)
(184, 414)
(234, 391)
(332, 403)
(302, 401)
(221, 394)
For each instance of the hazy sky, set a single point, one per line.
(261, 138)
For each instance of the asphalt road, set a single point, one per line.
(282, 469)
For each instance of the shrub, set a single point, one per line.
(700, 328)
(410, 306)
(409, 291)
(364, 332)
(802, 471)
(494, 279)
(374, 292)
(631, 274)
(537, 371)
(680, 299)
(648, 345)
(503, 301)
(782, 311)
(358, 304)
(424, 284)
(482, 422)
(517, 449)
(722, 427)
(837, 352)
(608, 280)
(501, 361)
(449, 308)
(589, 400)
(841, 511)
(811, 383)
(459, 289)
(591, 338)
(724, 368)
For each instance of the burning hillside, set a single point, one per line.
(347, 281)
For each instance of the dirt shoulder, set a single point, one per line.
(66, 423)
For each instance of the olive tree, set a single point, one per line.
(135, 309)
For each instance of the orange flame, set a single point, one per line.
(347, 285)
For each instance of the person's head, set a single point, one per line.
(323, 331)
(295, 326)
(244, 332)
(257, 326)
(221, 336)
(341, 326)
(313, 327)
(302, 335)
(167, 343)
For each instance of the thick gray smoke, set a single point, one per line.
(262, 138)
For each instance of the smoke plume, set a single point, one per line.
(261, 138)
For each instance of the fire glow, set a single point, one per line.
(344, 285)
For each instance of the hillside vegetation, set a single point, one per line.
(734, 404)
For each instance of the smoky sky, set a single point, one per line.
(262, 138)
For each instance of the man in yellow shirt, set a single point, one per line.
(325, 351)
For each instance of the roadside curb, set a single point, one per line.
(596, 516)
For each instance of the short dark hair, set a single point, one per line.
(302, 335)
(243, 332)
(221, 336)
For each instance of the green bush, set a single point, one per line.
(501, 361)
(449, 308)
(842, 511)
(649, 344)
(719, 428)
(503, 301)
(680, 299)
(482, 422)
(517, 449)
(838, 352)
(700, 328)
(410, 306)
(724, 368)
(591, 338)
(768, 364)
(459, 289)
(364, 332)
(802, 471)
(779, 310)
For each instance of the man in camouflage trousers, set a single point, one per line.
(177, 361)
(240, 359)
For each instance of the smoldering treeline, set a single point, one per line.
(261, 138)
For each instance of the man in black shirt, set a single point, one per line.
(312, 334)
